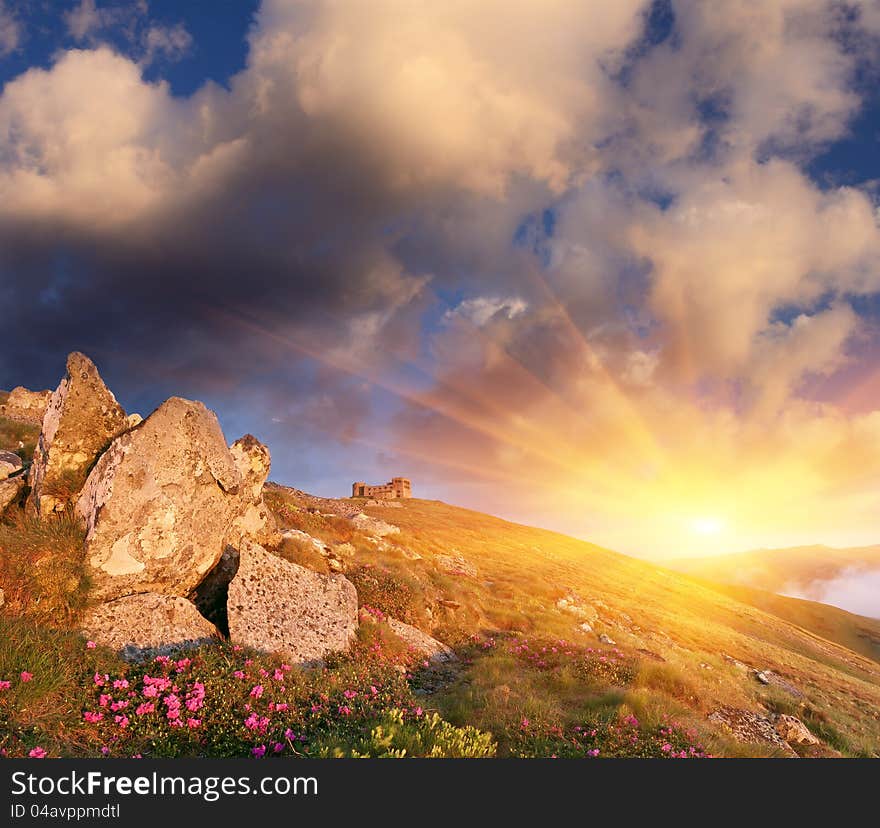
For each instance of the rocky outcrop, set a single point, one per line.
(255, 520)
(421, 643)
(793, 730)
(10, 491)
(25, 406)
(277, 606)
(456, 564)
(81, 420)
(749, 727)
(160, 502)
(144, 626)
(373, 526)
(10, 464)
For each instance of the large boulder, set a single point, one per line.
(81, 420)
(147, 625)
(10, 491)
(160, 502)
(277, 606)
(26, 406)
(10, 464)
(255, 520)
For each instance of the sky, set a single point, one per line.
(607, 268)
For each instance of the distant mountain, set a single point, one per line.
(845, 577)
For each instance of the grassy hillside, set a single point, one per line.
(777, 570)
(689, 648)
(564, 649)
(855, 632)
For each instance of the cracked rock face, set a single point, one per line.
(255, 520)
(144, 626)
(160, 502)
(277, 606)
(81, 420)
(26, 406)
(10, 491)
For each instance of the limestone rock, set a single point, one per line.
(792, 729)
(456, 564)
(147, 625)
(573, 605)
(421, 642)
(81, 420)
(606, 639)
(373, 526)
(159, 504)
(277, 606)
(255, 521)
(2, 597)
(10, 463)
(25, 406)
(10, 491)
(746, 726)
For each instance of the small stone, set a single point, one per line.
(605, 639)
(421, 643)
(10, 464)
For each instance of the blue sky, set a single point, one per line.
(558, 263)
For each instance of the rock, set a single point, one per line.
(421, 643)
(25, 406)
(81, 420)
(10, 491)
(792, 729)
(585, 627)
(2, 597)
(573, 605)
(159, 504)
(373, 526)
(409, 554)
(762, 677)
(605, 639)
(133, 420)
(449, 603)
(143, 626)
(456, 564)
(746, 726)
(306, 539)
(10, 463)
(277, 606)
(256, 520)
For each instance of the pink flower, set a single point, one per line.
(93, 718)
(120, 684)
(286, 667)
(259, 751)
(373, 690)
(146, 707)
(666, 748)
(105, 751)
(264, 673)
(5, 685)
(192, 724)
(278, 747)
(289, 734)
(248, 662)
(90, 645)
(278, 675)
(171, 715)
(345, 710)
(237, 648)
(119, 705)
(37, 753)
(25, 677)
(239, 674)
(594, 752)
(418, 711)
(350, 694)
(121, 720)
(281, 707)
(104, 700)
(183, 664)
(257, 691)
(524, 724)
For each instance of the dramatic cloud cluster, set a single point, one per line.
(559, 259)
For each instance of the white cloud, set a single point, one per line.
(481, 310)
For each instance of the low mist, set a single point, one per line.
(854, 589)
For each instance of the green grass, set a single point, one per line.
(42, 567)
(18, 437)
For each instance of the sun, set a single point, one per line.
(707, 525)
